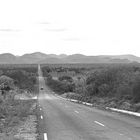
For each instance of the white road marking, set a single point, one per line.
(40, 108)
(83, 103)
(41, 117)
(89, 104)
(45, 136)
(74, 100)
(99, 123)
(124, 111)
(76, 111)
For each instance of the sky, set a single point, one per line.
(90, 27)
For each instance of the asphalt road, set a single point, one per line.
(65, 120)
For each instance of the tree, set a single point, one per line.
(65, 78)
(136, 90)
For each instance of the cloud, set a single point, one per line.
(72, 39)
(9, 30)
(56, 30)
(115, 42)
(44, 23)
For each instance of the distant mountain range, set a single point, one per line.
(42, 58)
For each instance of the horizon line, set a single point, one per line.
(68, 54)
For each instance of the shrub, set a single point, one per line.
(136, 90)
(103, 89)
(60, 86)
(65, 78)
(92, 89)
(124, 90)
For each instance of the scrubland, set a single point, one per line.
(18, 116)
(104, 85)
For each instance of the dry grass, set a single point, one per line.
(13, 113)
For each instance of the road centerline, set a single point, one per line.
(99, 123)
(76, 111)
(45, 136)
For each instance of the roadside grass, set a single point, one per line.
(103, 102)
(13, 113)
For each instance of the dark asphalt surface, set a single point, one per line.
(64, 120)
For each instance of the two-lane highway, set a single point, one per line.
(65, 120)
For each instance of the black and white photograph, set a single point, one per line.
(70, 70)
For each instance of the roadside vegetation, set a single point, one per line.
(111, 85)
(18, 117)
(24, 76)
